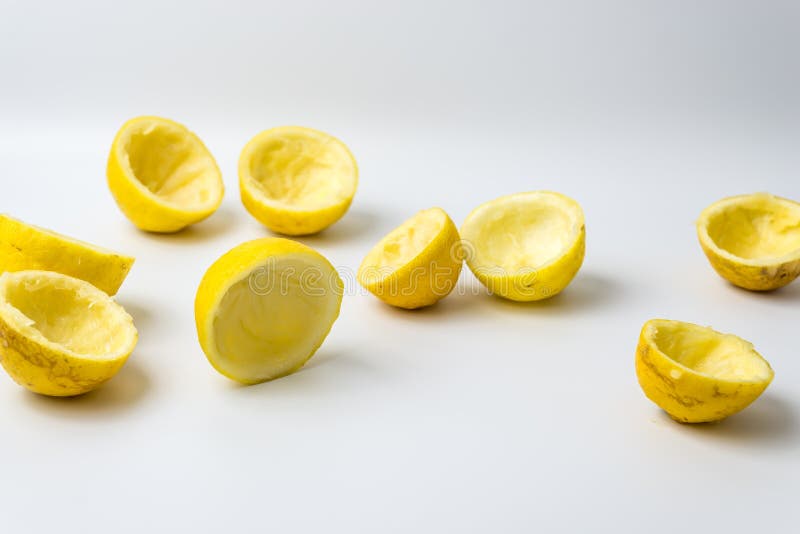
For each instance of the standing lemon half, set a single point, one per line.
(264, 308)
(753, 241)
(417, 263)
(297, 181)
(27, 247)
(162, 175)
(527, 246)
(59, 335)
(697, 374)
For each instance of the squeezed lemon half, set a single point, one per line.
(162, 175)
(59, 335)
(696, 374)
(753, 241)
(527, 246)
(297, 181)
(264, 308)
(417, 263)
(27, 247)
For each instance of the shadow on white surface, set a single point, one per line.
(218, 223)
(141, 314)
(356, 223)
(118, 394)
(769, 422)
(586, 292)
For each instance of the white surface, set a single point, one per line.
(476, 415)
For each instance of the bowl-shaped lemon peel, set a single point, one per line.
(295, 180)
(265, 307)
(753, 241)
(526, 246)
(27, 247)
(59, 335)
(162, 176)
(697, 374)
(416, 264)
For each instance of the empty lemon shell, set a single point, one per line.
(264, 308)
(697, 374)
(753, 241)
(162, 176)
(27, 247)
(417, 263)
(297, 181)
(59, 335)
(527, 246)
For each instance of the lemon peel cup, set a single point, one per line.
(697, 374)
(27, 247)
(265, 307)
(295, 180)
(61, 336)
(753, 241)
(162, 176)
(417, 263)
(526, 246)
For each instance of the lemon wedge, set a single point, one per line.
(297, 181)
(264, 308)
(527, 246)
(59, 335)
(417, 263)
(753, 241)
(27, 247)
(696, 374)
(162, 175)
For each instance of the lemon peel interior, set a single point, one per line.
(753, 241)
(417, 263)
(27, 247)
(264, 308)
(162, 175)
(526, 246)
(61, 335)
(297, 180)
(697, 374)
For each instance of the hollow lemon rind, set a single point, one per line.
(234, 266)
(689, 396)
(398, 289)
(146, 210)
(48, 368)
(284, 218)
(763, 274)
(26, 247)
(544, 281)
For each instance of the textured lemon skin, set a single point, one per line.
(291, 222)
(46, 371)
(537, 283)
(25, 247)
(430, 277)
(283, 219)
(231, 267)
(752, 277)
(144, 209)
(687, 396)
(763, 275)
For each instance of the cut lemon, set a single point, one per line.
(696, 374)
(60, 335)
(27, 247)
(417, 263)
(527, 246)
(753, 241)
(264, 308)
(162, 175)
(297, 181)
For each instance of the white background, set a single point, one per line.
(476, 415)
